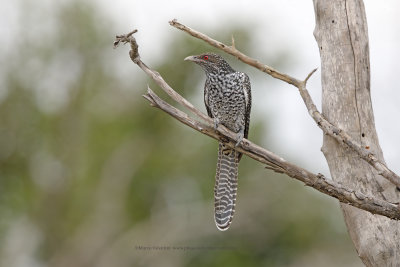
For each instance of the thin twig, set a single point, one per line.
(309, 76)
(135, 57)
(234, 52)
(328, 128)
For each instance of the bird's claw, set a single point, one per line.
(239, 138)
(216, 123)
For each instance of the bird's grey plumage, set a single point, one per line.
(227, 97)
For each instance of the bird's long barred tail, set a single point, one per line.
(225, 186)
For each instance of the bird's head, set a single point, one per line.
(211, 63)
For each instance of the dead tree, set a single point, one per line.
(342, 36)
(361, 180)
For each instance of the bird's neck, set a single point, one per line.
(219, 71)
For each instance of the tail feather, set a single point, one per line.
(225, 186)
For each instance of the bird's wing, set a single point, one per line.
(247, 97)
(206, 95)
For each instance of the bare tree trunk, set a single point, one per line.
(342, 36)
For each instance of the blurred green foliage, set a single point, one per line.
(89, 171)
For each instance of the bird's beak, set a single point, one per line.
(191, 58)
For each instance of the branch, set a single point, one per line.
(234, 52)
(328, 128)
(274, 162)
(134, 54)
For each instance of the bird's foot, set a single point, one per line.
(216, 123)
(240, 137)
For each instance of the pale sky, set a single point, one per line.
(290, 23)
(296, 135)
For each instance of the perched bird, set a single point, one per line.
(227, 97)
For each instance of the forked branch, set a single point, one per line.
(328, 128)
(274, 162)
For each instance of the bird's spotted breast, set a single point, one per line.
(226, 99)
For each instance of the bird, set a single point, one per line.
(227, 97)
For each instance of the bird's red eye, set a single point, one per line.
(205, 57)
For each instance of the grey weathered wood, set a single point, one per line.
(342, 37)
(341, 136)
(273, 162)
(343, 40)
